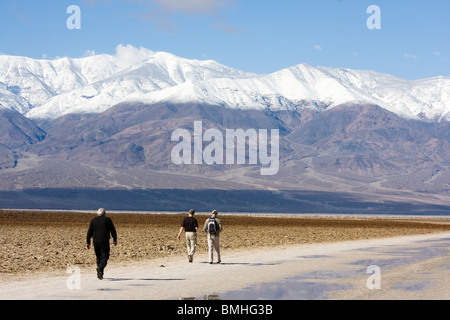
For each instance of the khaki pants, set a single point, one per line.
(213, 244)
(191, 242)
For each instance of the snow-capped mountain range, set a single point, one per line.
(41, 89)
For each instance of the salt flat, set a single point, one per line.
(411, 267)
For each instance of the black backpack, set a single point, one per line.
(212, 226)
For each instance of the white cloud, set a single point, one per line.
(163, 12)
(317, 47)
(179, 6)
(410, 56)
(89, 53)
(191, 6)
(127, 55)
(225, 27)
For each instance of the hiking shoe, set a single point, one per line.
(100, 275)
(191, 258)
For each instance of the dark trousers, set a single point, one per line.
(102, 254)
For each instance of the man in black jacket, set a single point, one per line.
(100, 229)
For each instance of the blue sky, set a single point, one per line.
(259, 36)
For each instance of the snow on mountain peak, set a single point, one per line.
(52, 88)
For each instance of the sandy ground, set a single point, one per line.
(276, 257)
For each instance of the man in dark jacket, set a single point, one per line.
(100, 229)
